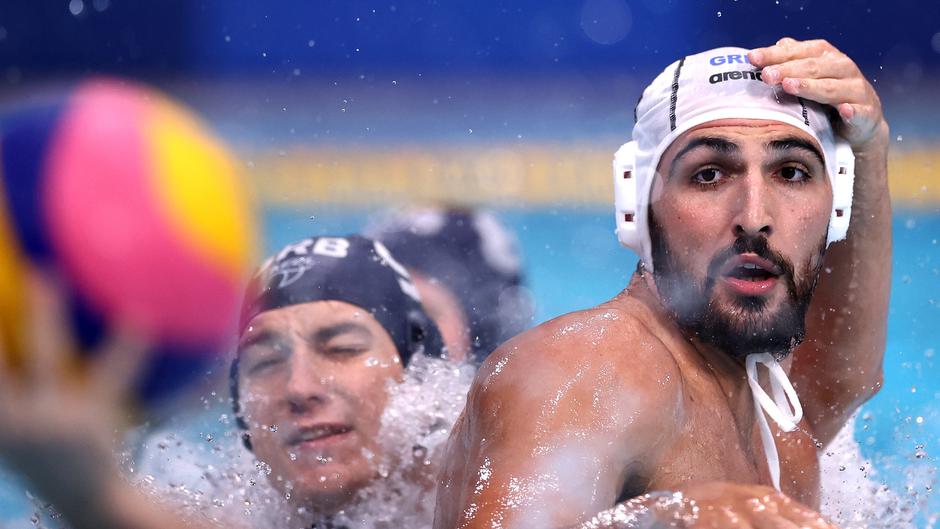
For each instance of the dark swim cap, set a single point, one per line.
(475, 257)
(353, 269)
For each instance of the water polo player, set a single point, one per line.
(653, 405)
(468, 269)
(327, 324)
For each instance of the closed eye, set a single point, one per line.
(346, 350)
(264, 365)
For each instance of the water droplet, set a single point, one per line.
(311, 43)
(719, 14)
(76, 7)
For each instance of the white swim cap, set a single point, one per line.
(712, 85)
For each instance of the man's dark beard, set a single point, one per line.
(750, 328)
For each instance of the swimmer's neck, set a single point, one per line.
(729, 370)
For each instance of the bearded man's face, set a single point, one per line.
(738, 230)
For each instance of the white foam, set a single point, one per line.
(852, 493)
(223, 482)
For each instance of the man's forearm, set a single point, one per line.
(840, 364)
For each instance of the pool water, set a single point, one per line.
(572, 260)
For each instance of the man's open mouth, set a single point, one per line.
(318, 434)
(750, 275)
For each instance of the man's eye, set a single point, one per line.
(707, 176)
(346, 350)
(263, 365)
(794, 174)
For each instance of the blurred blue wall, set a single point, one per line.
(260, 38)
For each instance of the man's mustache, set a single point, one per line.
(754, 244)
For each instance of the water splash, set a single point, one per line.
(852, 493)
(223, 483)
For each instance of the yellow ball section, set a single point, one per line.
(190, 165)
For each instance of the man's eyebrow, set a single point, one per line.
(720, 145)
(794, 142)
(263, 337)
(327, 333)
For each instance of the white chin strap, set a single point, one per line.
(784, 408)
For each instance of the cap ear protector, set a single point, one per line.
(632, 189)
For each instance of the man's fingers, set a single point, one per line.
(787, 49)
(119, 364)
(8, 384)
(827, 91)
(858, 116)
(48, 342)
(811, 67)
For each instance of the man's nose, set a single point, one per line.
(753, 207)
(308, 386)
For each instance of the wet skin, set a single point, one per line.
(319, 372)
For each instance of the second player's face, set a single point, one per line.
(314, 382)
(740, 216)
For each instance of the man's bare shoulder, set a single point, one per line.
(605, 360)
(607, 335)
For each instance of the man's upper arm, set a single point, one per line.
(551, 425)
(839, 365)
